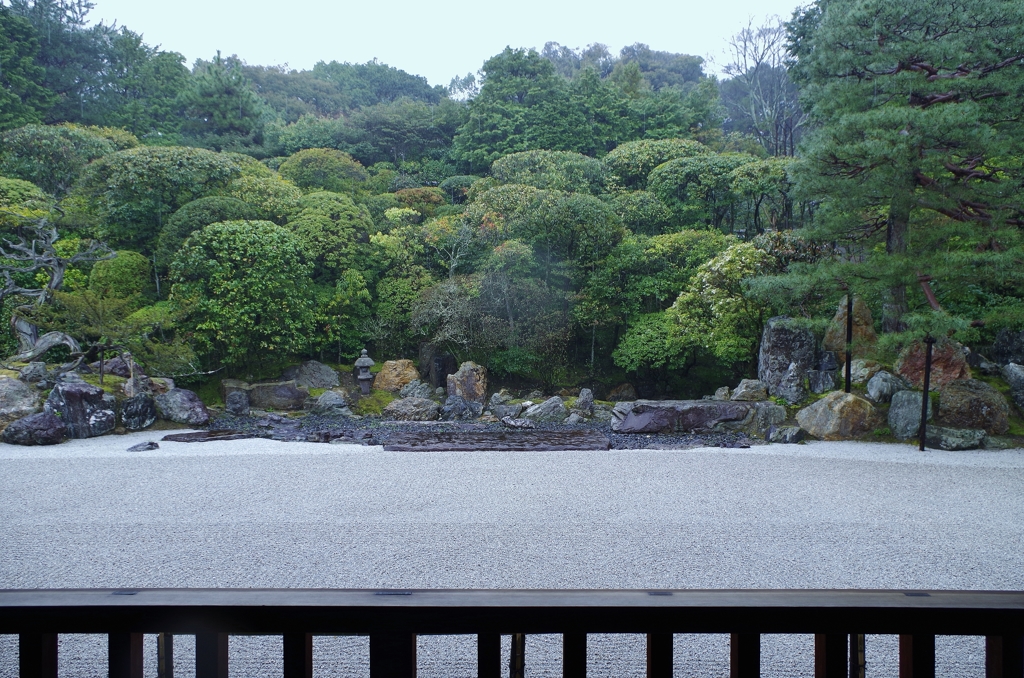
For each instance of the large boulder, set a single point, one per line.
(953, 439)
(585, 402)
(138, 412)
(280, 395)
(861, 371)
(1008, 347)
(883, 386)
(469, 383)
(511, 411)
(863, 331)
(394, 374)
(750, 390)
(237, 403)
(17, 400)
(312, 374)
(973, 404)
(83, 409)
(33, 373)
(791, 386)
(949, 363)
(457, 408)
(905, 414)
(622, 392)
(417, 389)
(42, 428)
(783, 345)
(412, 409)
(183, 407)
(1013, 374)
(116, 366)
(553, 409)
(688, 416)
(821, 381)
(839, 416)
(331, 402)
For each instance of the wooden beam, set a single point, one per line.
(659, 655)
(745, 655)
(298, 655)
(37, 655)
(917, 656)
(211, 655)
(574, 655)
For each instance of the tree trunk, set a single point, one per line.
(895, 306)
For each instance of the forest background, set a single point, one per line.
(563, 217)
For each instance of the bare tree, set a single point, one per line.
(30, 251)
(759, 95)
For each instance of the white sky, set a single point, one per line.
(437, 40)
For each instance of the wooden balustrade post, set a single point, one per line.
(830, 658)
(659, 655)
(392, 655)
(574, 655)
(1004, 657)
(858, 660)
(745, 655)
(211, 655)
(517, 656)
(298, 655)
(917, 656)
(165, 655)
(488, 655)
(124, 655)
(37, 655)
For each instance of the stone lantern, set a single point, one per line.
(363, 365)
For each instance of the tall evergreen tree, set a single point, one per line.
(918, 113)
(23, 99)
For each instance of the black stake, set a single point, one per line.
(849, 339)
(928, 340)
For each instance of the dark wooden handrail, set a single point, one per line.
(393, 618)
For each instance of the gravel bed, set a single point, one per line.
(267, 513)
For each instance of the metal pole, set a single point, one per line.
(849, 339)
(928, 340)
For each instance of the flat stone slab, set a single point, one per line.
(497, 441)
(206, 436)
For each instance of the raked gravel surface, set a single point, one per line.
(262, 513)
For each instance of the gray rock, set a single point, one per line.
(17, 400)
(237, 403)
(782, 345)
(500, 398)
(602, 412)
(953, 439)
(1013, 374)
(312, 374)
(503, 411)
(791, 386)
(144, 447)
(785, 434)
(1008, 347)
(411, 409)
(330, 402)
(821, 381)
(553, 409)
(750, 390)
(722, 393)
(828, 362)
(970, 404)
(884, 385)
(439, 392)
(861, 371)
(574, 419)
(33, 372)
(416, 389)
(511, 422)
(457, 408)
(116, 366)
(138, 412)
(839, 416)
(905, 414)
(183, 407)
(688, 416)
(42, 428)
(998, 443)
(585, 402)
(281, 395)
(83, 409)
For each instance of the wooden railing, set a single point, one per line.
(392, 619)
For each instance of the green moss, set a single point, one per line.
(209, 393)
(374, 403)
(609, 403)
(317, 392)
(1016, 420)
(111, 384)
(9, 373)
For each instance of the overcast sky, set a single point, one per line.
(434, 39)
